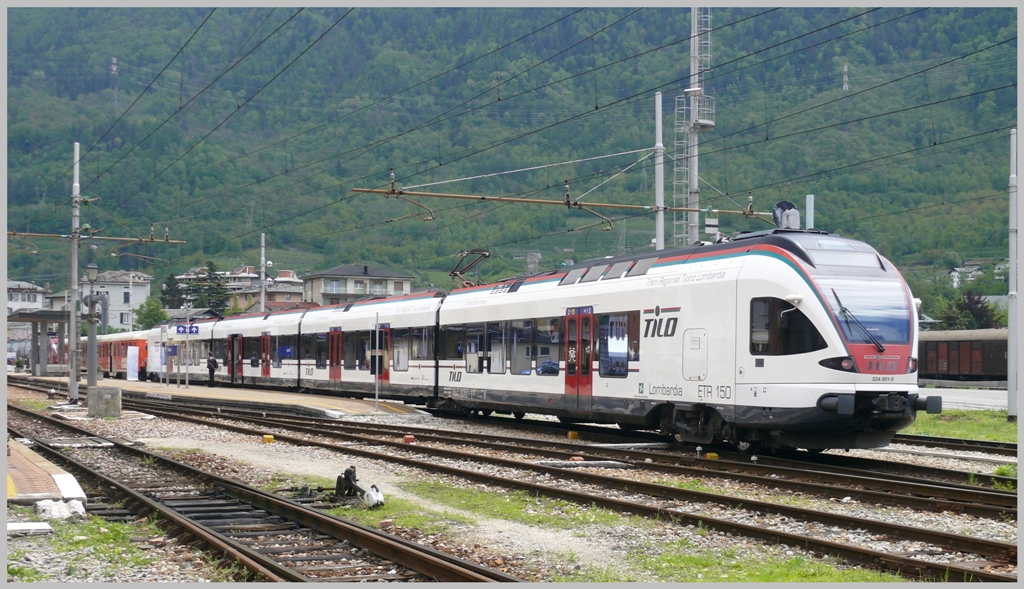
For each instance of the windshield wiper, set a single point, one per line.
(849, 315)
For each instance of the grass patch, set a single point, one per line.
(680, 561)
(1006, 470)
(518, 506)
(110, 542)
(289, 481)
(690, 485)
(180, 451)
(34, 405)
(405, 513)
(959, 423)
(23, 574)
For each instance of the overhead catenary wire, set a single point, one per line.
(240, 106)
(369, 147)
(529, 169)
(193, 99)
(852, 94)
(114, 124)
(399, 92)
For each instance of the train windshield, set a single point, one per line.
(881, 306)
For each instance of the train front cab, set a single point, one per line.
(809, 375)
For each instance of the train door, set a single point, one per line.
(385, 349)
(334, 354)
(265, 354)
(579, 379)
(235, 357)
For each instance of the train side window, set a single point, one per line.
(760, 326)
(614, 345)
(548, 350)
(641, 267)
(350, 347)
(250, 347)
(453, 347)
(497, 337)
(220, 349)
(572, 276)
(475, 356)
(275, 351)
(400, 349)
(520, 341)
(321, 350)
(777, 328)
(307, 346)
(617, 269)
(286, 347)
(422, 343)
(363, 349)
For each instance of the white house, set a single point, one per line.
(126, 291)
(350, 282)
(22, 296)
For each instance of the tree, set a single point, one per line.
(209, 290)
(968, 311)
(149, 314)
(171, 293)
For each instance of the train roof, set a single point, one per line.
(963, 335)
(818, 249)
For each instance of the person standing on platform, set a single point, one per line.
(211, 365)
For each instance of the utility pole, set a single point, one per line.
(692, 119)
(75, 308)
(1012, 311)
(113, 72)
(263, 272)
(73, 311)
(659, 178)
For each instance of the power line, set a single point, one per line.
(847, 96)
(920, 208)
(193, 99)
(139, 97)
(392, 95)
(227, 118)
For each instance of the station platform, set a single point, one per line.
(32, 478)
(309, 403)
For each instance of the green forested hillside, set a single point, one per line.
(445, 94)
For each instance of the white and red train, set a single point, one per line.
(784, 338)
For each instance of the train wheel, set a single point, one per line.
(519, 415)
(744, 447)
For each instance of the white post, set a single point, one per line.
(659, 177)
(263, 272)
(810, 211)
(376, 377)
(131, 312)
(76, 204)
(1012, 312)
(188, 328)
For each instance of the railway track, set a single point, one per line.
(924, 495)
(838, 463)
(275, 538)
(960, 444)
(668, 502)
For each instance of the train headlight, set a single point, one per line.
(844, 363)
(912, 365)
